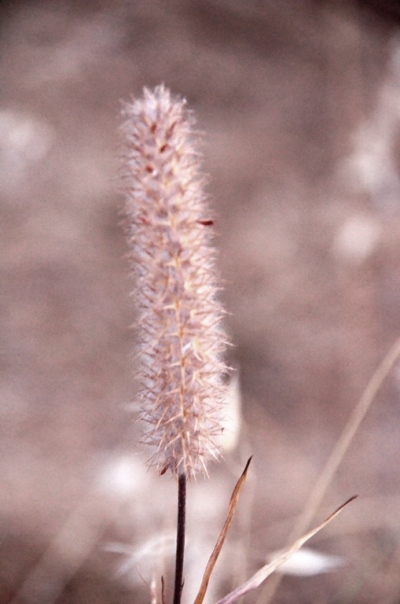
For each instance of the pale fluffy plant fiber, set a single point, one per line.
(180, 341)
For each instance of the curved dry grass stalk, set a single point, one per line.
(221, 539)
(336, 457)
(267, 570)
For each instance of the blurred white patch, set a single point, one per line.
(306, 563)
(372, 165)
(148, 562)
(232, 415)
(357, 239)
(151, 552)
(24, 141)
(122, 476)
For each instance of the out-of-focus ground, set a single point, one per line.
(299, 102)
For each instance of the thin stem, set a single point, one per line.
(339, 451)
(180, 539)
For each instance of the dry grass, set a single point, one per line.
(298, 103)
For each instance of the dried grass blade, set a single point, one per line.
(340, 449)
(220, 541)
(269, 568)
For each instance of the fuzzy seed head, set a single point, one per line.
(180, 341)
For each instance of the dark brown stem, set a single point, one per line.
(180, 539)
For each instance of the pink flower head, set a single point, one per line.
(169, 236)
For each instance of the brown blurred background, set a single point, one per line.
(299, 103)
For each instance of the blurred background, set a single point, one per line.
(299, 105)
